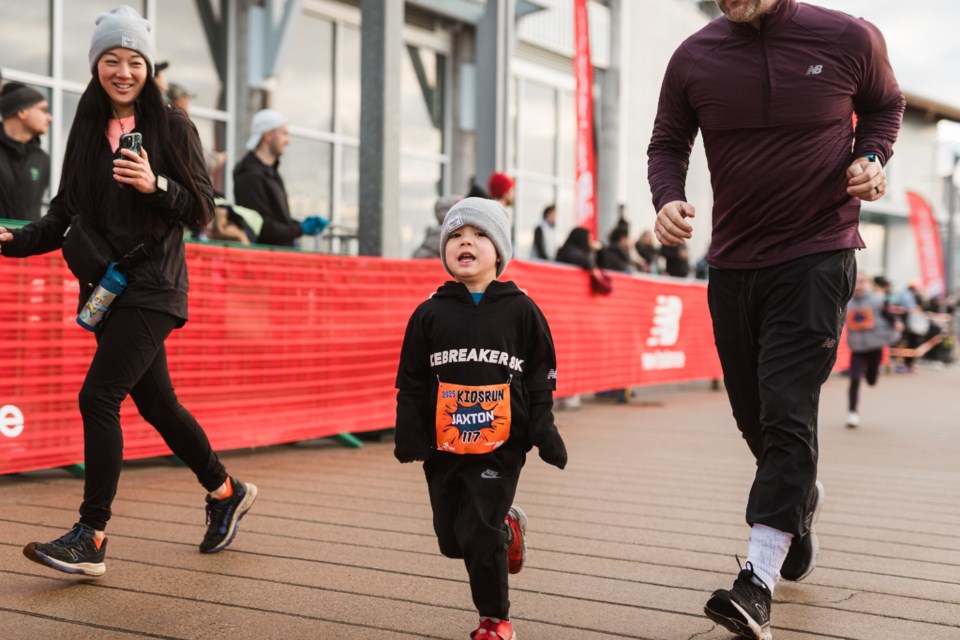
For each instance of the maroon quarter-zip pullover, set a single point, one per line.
(775, 107)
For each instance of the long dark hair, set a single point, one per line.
(86, 135)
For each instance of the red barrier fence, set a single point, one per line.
(285, 346)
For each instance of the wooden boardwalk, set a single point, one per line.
(627, 542)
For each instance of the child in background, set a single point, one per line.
(476, 378)
(870, 328)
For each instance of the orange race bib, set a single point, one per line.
(860, 319)
(472, 419)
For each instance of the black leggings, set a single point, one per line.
(776, 330)
(131, 360)
(866, 361)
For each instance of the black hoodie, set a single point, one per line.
(453, 340)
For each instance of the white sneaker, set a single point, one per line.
(853, 420)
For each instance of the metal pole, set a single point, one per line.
(950, 190)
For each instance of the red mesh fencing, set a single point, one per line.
(285, 346)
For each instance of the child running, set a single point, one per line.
(476, 379)
(870, 328)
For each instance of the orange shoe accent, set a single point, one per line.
(229, 491)
(99, 543)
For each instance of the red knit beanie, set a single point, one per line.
(499, 184)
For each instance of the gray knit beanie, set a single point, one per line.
(122, 27)
(488, 216)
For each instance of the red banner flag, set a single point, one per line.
(929, 249)
(586, 199)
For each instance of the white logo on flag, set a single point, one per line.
(11, 421)
(666, 322)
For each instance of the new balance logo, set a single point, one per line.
(814, 69)
(666, 322)
(552, 374)
(489, 474)
(829, 343)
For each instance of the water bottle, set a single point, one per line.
(111, 285)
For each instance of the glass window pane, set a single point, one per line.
(305, 84)
(538, 128)
(567, 131)
(79, 20)
(348, 91)
(421, 99)
(532, 199)
(182, 40)
(419, 189)
(306, 168)
(26, 47)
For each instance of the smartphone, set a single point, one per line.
(132, 141)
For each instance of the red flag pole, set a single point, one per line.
(585, 212)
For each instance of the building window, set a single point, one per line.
(27, 47)
(545, 133)
(424, 163)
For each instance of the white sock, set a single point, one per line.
(768, 550)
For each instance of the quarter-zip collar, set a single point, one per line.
(771, 22)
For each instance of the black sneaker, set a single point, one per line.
(744, 609)
(223, 516)
(802, 556)
(73, 552)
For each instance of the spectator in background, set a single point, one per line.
(474, 190)
(579, 249)
(616, 255)
(500, 186)
(431, 243)
(648, 251)
(677, 260)
(258, 185)
(160, 78)
(24, 166)
(915, 323)
(545, 235)
(179, 97)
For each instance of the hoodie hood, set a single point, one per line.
(496, 289)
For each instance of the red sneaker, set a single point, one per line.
(517, 551)
(490, 630)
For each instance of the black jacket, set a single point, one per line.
(160, 282)
(613, 258)
(24, 175)
(451, 339)
(260, 187)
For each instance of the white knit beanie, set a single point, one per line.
(488, 216)
(122, 27)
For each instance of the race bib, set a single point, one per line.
(472, 419)
(860, 319)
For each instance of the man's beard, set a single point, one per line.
(742, 12)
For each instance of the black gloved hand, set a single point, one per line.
(553, 451)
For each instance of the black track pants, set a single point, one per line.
(470, 496)
(131, 360)
(865, 362)
(776, 331)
